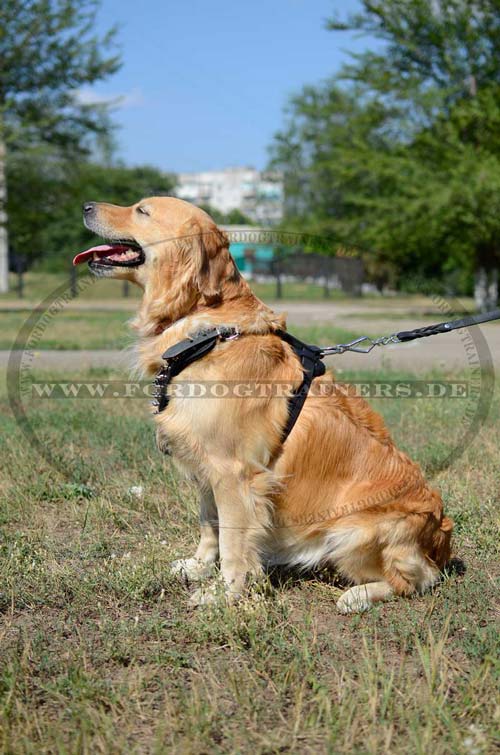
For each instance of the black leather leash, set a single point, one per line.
(182, 354)
(365, 344)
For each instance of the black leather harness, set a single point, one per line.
(182, 354)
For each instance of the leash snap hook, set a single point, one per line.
(386, 340)
(353, 345)
(228, 334)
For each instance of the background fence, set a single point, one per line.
(279, 269)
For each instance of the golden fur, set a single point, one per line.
(337, 492)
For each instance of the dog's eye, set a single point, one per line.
(142, 210)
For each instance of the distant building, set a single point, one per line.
(258, 194)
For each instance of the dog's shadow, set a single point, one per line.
(285, 577)
(455, 567)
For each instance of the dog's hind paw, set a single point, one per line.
(361, 597)
(191, 569)
(355, 600)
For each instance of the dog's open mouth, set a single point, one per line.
(119, 254)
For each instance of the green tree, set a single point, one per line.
(54, 231)
(441, 59)
(407, 159)
(340, 163)
(48, 50)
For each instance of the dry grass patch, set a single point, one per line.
(100, 653)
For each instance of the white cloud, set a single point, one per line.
(87, 96)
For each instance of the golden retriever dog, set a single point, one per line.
(336, 492)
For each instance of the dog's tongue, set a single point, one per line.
(102, 251)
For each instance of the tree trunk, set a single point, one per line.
(4, 240)
(486, 288)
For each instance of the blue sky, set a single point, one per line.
(204, 83)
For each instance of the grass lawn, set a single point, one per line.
(72, 329)
(100, 653)
(108, 329)
(94, 329)
(37, 286)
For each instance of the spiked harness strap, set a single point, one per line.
(182, 354)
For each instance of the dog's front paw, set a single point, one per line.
(354, 600)
(205, 596)
(191, 569)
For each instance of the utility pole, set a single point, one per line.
(4, 240)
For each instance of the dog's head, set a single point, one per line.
(167, 246)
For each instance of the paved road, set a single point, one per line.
(318, 311)
(456, 350)
(453, 351)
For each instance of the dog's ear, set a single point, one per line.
(209, 250)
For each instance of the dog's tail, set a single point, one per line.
(441, 550)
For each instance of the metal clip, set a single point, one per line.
(222, 333)
(385, 340)
(352, 345)
(341, 348)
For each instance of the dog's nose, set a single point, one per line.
(88, 208)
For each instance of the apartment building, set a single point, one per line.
(258, 194)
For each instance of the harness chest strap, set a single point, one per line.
(182, 354)
(312, 366)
